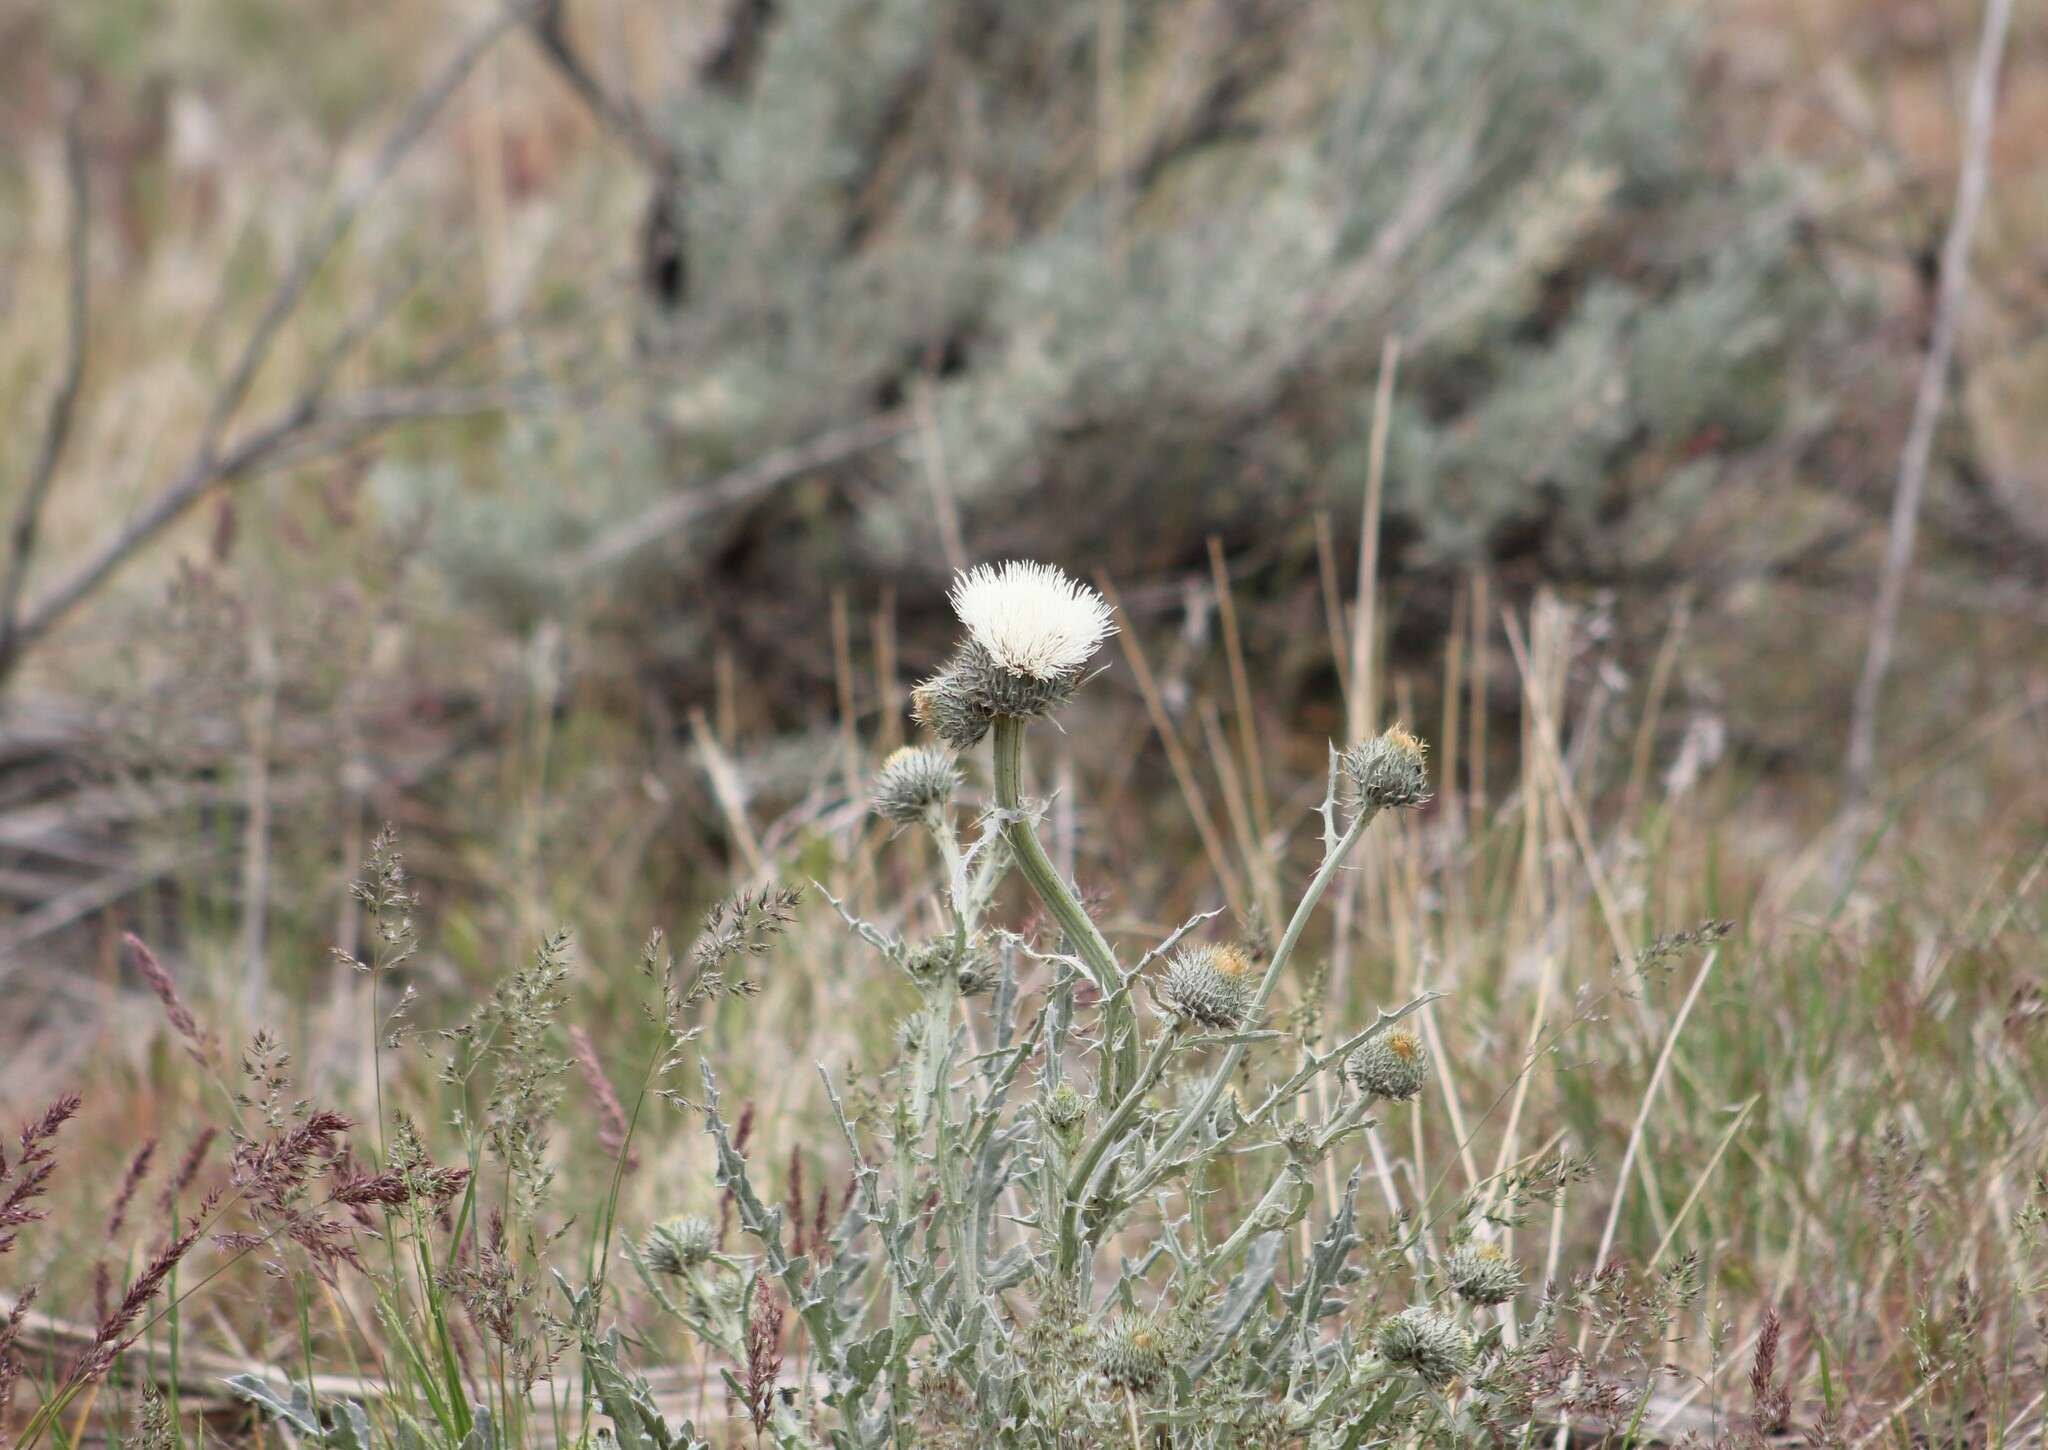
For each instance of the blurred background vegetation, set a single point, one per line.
(686, 348)
(553, 429)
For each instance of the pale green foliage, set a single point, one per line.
(1064, 1265)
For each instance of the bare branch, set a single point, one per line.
(64, 405)
(305, 430)
(213, 462)
(314, 253)
(616, 113)
(1927, 403)
(737, 487)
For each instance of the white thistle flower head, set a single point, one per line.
(1031, 618)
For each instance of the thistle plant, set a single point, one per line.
(1393, 1066)
(1061, 1230)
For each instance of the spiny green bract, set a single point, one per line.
(1390, 771)
(680, 1245)
(1131, 1353)
(971, 692)
(970, 966)
(1063, 1112)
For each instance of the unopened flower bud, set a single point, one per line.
(1208, 987)
(1390, 771)
(1483, 1274)
(1427, 1342)
(681, 1244)
(1063, 1112)
(913, 781)
(1131, 1354)
(1392, 1065)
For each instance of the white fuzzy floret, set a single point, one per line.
(1031, 617)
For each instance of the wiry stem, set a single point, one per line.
(1291, 1172)
(1084, 1171)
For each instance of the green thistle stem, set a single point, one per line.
(1094, 951)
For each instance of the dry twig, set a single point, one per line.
(1927, 403)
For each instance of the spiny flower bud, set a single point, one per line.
(973, 690)
(910, 1034)
(1429, 1343)
(1208, 987)
(1063, 1112)
(681, 1244)
(913, 781)
(1392, 1065)
(1300, 1141)
(929, 958)
(1389, 771)
(1131, 1353)
(1483, 1274)
(975, 972)
(947, 706)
